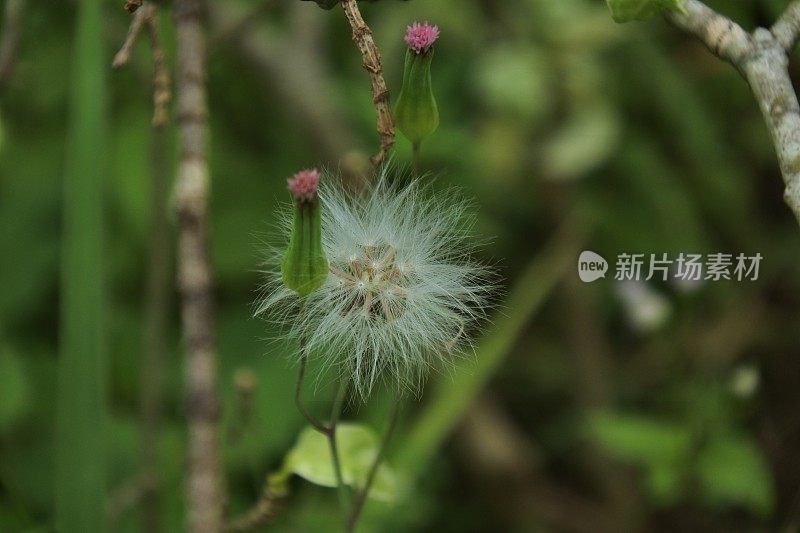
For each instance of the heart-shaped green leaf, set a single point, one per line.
(310, 458)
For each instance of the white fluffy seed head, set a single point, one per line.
(403, 289)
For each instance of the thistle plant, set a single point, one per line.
(402, 289)
(399, 296)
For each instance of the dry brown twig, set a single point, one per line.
(9, 40)
(162, 92)
(261, 514)
(158, 270)
(373, 64)
(147, 16)
(137, 23)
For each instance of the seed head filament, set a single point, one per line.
(373, 282)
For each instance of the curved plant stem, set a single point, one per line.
(361, 497)
(338, 402)
(298, 399)
(329, 431)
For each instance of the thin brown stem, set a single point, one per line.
(158, 271)
(361, 496)
(147, 17)
(140, 17)
(373, 64)
(203, 483)
(162, 92)
(298, 399)
(9, 40)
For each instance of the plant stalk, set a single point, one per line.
(361, 497)
(338, 403)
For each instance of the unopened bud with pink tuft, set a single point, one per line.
(420, 37)
(304, 266)
(416, 112)
(304, 185)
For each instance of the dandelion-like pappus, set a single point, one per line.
(403, 288)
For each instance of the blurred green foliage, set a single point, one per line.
(549, 111)
(627, 10)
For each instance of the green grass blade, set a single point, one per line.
(80, 459)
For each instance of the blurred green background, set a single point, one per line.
(587, 407)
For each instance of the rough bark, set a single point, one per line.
(203, 483)
(762, 57)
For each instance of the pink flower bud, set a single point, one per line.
(420, 37)
(304, 185)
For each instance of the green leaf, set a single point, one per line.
(639, 439)
(310, 458)
(627, 10)
(732, 470)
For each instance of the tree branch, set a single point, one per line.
(787, 27)
(768, 76)
(372, 63)
(204, 488)
(761, 57)
(726, 39)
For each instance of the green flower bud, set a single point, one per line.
(416, 113)
(304, 266)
